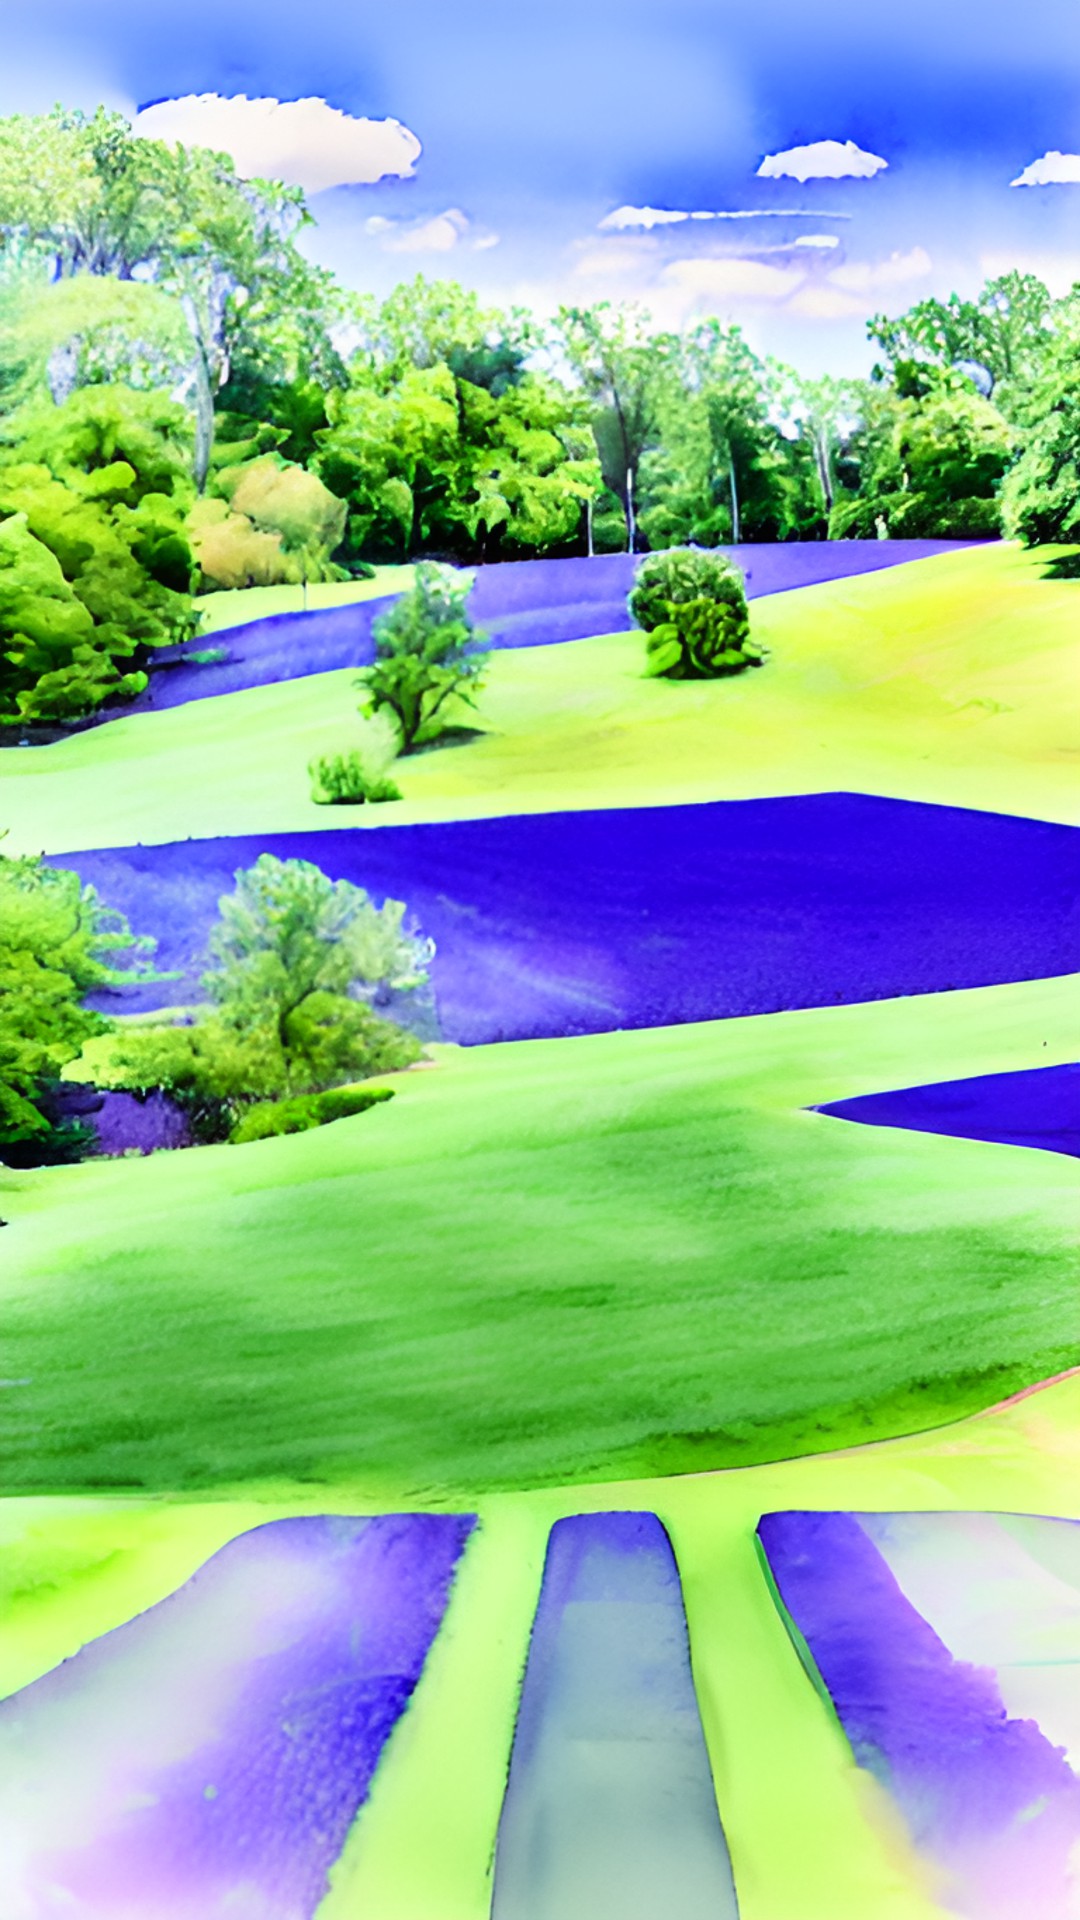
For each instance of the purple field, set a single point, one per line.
(610, 1808)
(949, 1645)
(209, 1757)
(1036, 1108)
(525, 603)
(560, 924)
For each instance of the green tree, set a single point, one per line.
(722, 470)
(623, 368)
(933, 469)
(998, 339)
(427, 656)
(95, 563)
(58, 942)
(1041, 494)
(288, 938)
(90, 197)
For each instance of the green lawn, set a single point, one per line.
(556, 1260)
(950, 680)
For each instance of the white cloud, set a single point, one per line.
(306, 143)
(624, 217)
(870, 276)
(439, 234)
(824, 242)
(822, 160)
(1053, 170)
(817, 300)
(732, 279)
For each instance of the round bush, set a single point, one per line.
(691, 604)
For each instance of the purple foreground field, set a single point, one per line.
(561, 924)
(525, 603)
(209, 1757)
(949, 1647)
(1039, 1107)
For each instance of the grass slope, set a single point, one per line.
(557, 1260)
(949, 680)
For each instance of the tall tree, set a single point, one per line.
(997, 339)
(623, 367)
(88, 196)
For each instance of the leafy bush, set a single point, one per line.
(272, 1117)
(95, 564)
(216, 1072)
(361, 772)
(57, 943)
(427, 656)
(265, 522)
(691, 604)
(342, 779)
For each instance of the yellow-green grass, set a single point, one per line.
(950, 680)
(571, 1259)
(234, 608)
(812, 1837)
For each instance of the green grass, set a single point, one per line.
(557, 1260)
(235, 608)
(950, 680)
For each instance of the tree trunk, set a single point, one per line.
(631, 523)
(588, 527)
(204, 422)
(735, 527)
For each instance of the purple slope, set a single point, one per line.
(609, 1807)
(1039, 1107)
(560, 924)
(209, 1757)
(526, 603)
(987, 1798)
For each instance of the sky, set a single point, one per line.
(542, 153)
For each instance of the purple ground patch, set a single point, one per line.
(558, 924)
(209, 1757)
(526, 603)
(989, 1799)
(1036, 1108)
(609, 1808)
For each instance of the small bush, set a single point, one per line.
(361, 772)
(273, 1117)
(691, 604)
(427, 656)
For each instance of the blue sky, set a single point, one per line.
(536, 123)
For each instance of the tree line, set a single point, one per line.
(187, 403)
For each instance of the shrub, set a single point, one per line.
(272, 1117)
(691, 604)
(361, 772)
(342, 779)
(427, 655)
(95, 565)
(57, 943)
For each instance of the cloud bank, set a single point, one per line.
(1053, 170)
(822, 160)
(625, 219)
(441, 233)
(306, 143)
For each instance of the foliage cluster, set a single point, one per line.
(57, 944)
(428, 656)
(691, 605)
(299, 965)
(360, 772)
(270, 1118)
(95, 564)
